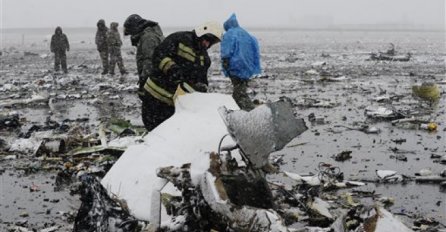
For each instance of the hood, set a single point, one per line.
(101, 23)
(134, 24)
(231, 22)
(114, 26)
(58, 30)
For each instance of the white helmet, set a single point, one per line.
(212, 28)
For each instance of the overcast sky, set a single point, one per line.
(251, 13)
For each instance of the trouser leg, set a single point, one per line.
(120, 62)
(104, 59)
(240, 95)
(112, 62)
(154, 112)
(63, 60)
(56, 61)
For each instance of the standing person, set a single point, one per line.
(59, 46)
(181, 60)
(101, 44)
(241, 60)
(145, 35)
(114, 47)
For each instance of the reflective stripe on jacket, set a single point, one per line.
(158, 92)
(163, 95)
(181, 51)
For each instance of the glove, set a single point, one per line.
(200, 87)
(175, 75)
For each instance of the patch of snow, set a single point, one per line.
(387, 222)
(293, 176)
(28, 146)
(312, 180)
(378, 111)
(125, 141)
(321, 207)
(311, 72)
(382, 174)
(318, 63)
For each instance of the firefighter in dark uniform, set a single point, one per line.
(180, 61)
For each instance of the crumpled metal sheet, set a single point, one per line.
(263, 130)
(240, 217)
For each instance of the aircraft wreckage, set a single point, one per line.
(189, 175)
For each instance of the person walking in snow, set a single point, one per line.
(240, 60)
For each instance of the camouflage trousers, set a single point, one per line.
(104, 59)
(60, 58)
(240, 95)
(115, 57)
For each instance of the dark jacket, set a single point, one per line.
(149, 39)
(180, 58)
(113, 36)
(59, 41)
(101, 36)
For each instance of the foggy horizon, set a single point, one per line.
(362, 27)
(304, 14)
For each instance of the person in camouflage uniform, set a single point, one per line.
(59, 46)
(101, 44)
(114, 47)
(145, 35)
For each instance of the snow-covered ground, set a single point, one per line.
(291, 61)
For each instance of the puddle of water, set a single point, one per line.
(420, 199)
(74, 110)
(43, 206)
(34, 115)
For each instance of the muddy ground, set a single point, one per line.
(83, 98)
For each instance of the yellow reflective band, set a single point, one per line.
(158, 89)
(183, 89)
(188, 88)
(186, 49)
(165, 64)
(180, 91)
(202, 60)
(158, 92)
(186, 52)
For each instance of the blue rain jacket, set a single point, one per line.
(242, 50)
